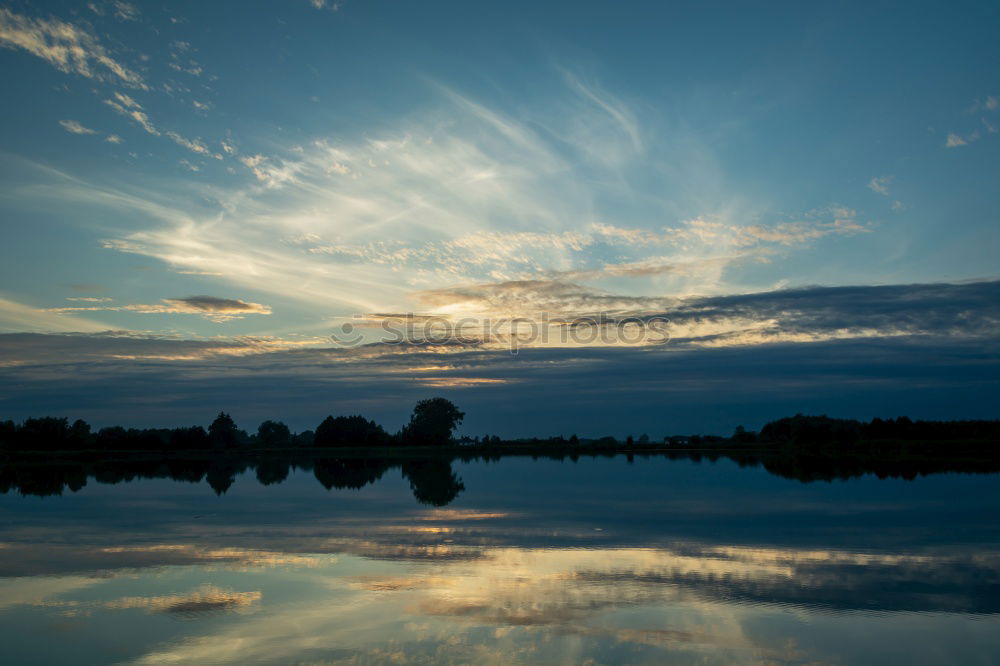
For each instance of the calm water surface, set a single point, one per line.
(598, 561)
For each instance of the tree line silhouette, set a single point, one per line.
(433, 421)
(432, 424)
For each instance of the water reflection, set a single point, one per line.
(431, 478)
(535, 562)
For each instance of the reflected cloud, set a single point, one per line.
(164, 554)
(27, 559)
(51, 594)
(536, 598)
(206, 599)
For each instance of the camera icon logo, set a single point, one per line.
(346, 335)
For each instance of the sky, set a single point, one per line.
(291, 209)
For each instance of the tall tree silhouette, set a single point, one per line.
(432, 422)
(223, 432)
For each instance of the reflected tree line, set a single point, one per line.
(432, 479)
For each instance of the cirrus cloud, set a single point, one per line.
(67, 47)
(210, 307)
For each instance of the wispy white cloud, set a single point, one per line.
(457, 194)
(332, 5)
(181, 60)
(127, 101)
(73, 127)
(16, 316)
(988, 103)
(271, 172)
(131, 109)
(954, 141)
(840, 221)
(532, 252)
(210, 307)
(617, 111)
(880, 184)
(74, 48)
(128, 107)
(126, 11)
(194, 145)
(190, 67)
(67, 47)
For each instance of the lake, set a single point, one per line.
(601, 560)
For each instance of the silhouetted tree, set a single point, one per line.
(194, 437)
(46, 433)
(223, 432)
(79, 434)
(8, 434)
(111, 438)
(432, 422)
(273, 434)
(811, 432)
(349, 431)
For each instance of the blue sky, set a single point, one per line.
(238, 182)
